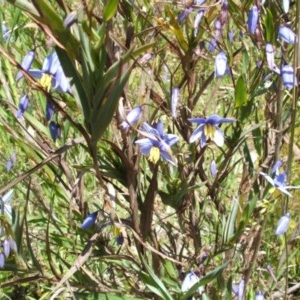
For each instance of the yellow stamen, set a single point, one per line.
(117, 231)
(45, 81)
(154, 154)
(209, 131)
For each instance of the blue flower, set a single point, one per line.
(288, 76)
(270, 58)
(26, 63)
(213, 169)
(174, 101)
(132, 117)
(189, 281)
(5, 202)
(23, 104)
(259, 296)
(55, 131)
(279, 182)
(220, 64)
(209, 130)
(252, 19)
(184, 14)
(197, 20)
(2, 260)
(49, 110)
(156, 144)
(283, 224)
(287, 34)
(90, 220)
(51, 74)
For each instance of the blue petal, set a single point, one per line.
(23, 104)
(26, 63)
(190, 280)
(252, 19)
(220, 64)
(160, 128)
(287, 34)
(145, 145)
(89, 220)
(197, 133)
(171, 139)
(51, 63)
(37, 74)
(215, 119)
(213, 169)
(286, 5)
(219, 137)
(283, 224)
(197, 120)
(276, 166)
(268, 178)
(288, 76)
(280, 179)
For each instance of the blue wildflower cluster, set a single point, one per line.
(50, 76)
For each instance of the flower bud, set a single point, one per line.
(252, 19)
(283, 224)
(90, 220)
(287, 35)
(220, 64)
(23, 104)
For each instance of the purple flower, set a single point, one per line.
(132, 117)
(2, 260)
(90, 220)
(283, 224)
(23, 104)
(26, 63)
(213, 169)
(220, 64)
(55, 131)
(174, 101)
(259, 296)
(51, 74)
(49, 110)
(288, 76)
(279, 182)
(156, 144)
(184, 14)
(252, 19)
(270, 58)
(6, 247)
(287, 34)
(197, 20)
(209, 130)
(189, 281)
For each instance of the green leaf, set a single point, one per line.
(241, 92)
(110, 9)
(156, 285)
(269, 26)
